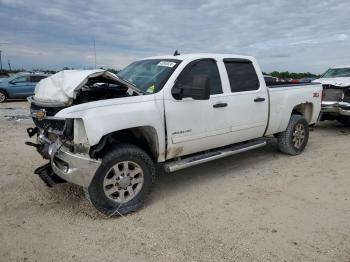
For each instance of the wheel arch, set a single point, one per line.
(304, 109)
(4, 90)
(144, 137)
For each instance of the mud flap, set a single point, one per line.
(48, 176)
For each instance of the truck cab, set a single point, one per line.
(217, 119)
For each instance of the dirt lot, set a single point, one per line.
(256, 206)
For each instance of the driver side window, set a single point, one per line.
(205, 67)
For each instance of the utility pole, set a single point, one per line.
(9, 63)
(0, 61)
(95, 53)
(4, 43)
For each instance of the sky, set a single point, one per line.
(297, 35)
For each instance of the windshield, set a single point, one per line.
(149, 75)
(337, 72)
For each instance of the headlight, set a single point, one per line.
(80, 140)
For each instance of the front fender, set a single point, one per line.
(107, 116)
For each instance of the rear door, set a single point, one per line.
(248, 100)
(197, 125)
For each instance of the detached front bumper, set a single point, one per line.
(336, 108)
(78, 169)
(71, 167)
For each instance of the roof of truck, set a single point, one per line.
(199, 55)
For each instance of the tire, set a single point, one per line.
(123, 181)
(345, 120)
(294, 139)
(3, 96)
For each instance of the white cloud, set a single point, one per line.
(342, 37)
(283, 35)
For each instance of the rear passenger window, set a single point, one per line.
(242, 75)
(202, 67)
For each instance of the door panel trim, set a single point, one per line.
(180, 139)
(239, 128)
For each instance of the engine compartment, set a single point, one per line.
(100, 89)
(94, 89)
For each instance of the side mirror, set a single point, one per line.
(199, 90)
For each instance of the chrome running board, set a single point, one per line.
(212, 155)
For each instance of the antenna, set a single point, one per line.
(176, 53)
(95, 53)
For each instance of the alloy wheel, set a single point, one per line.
(123, 181)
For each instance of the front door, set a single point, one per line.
(197, 125)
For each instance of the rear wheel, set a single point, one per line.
(123, 181)
(3, 96)
(294, 139)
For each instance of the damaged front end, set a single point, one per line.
(64, 143)
(335, 102)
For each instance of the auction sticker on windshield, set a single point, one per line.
(166, 63)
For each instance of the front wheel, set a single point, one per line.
(3, 96)
(123, 181)
(294, 139)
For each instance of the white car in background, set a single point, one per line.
(336, 94)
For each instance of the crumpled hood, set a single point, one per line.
(63, 86)
(338, 81)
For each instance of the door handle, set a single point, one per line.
(220, 105)
(259, 99)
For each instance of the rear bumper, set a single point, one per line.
(78, 169)
(336, 108)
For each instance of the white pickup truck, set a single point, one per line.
(107, 132)
(336, 94)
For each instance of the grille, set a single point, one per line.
(48, 124)
(50, 111)
(56, 125)
(332, 94)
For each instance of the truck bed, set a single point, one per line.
(284, 98)
(281, 84)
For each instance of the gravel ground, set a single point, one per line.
(257, 206)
